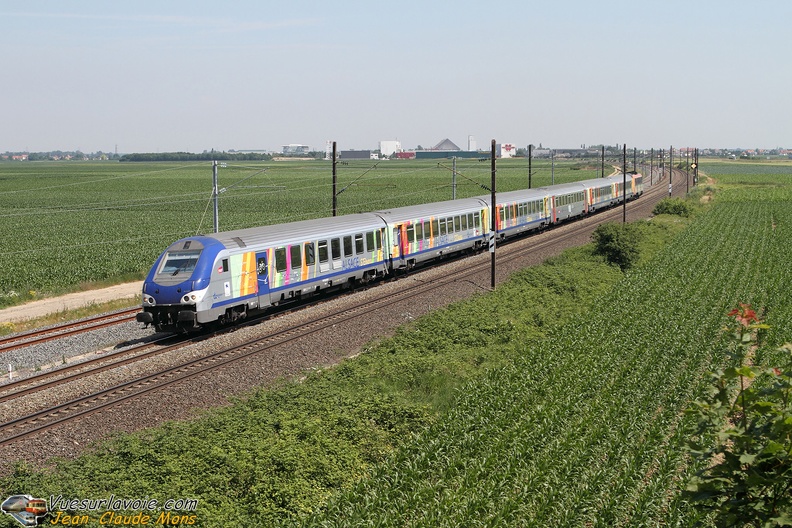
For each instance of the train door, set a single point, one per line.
(262, 276)
(550, 204)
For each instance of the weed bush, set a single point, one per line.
(673, 206)
(618, 243)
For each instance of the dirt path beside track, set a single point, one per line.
(71, 301)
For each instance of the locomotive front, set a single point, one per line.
(177, 283)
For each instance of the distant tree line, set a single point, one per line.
(204, 156)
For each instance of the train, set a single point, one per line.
(221, 278)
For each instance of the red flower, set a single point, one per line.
(744, 315)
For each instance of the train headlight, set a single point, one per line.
(149, 300)
(194, 297)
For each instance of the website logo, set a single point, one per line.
(28, 511)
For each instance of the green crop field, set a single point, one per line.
(65, 224)
(558, 400)
(588, 428)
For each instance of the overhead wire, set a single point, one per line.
(310, 183)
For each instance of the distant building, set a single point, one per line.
(354, 154)
(296, 149)
(448, 149)
(388, 148)
(446, 145)
(505, 150)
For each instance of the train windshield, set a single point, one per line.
(180, 262)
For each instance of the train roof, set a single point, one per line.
(299, 231)
(522, 195)
(448, 208)
(566, 188)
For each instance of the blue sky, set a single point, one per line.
(153, 76)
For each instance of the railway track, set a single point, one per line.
(37, 337)
(47, 418)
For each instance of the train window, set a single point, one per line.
(502, 215)
(348, 246)
(359, 243)
(464, 222)
(296, 256)
(457, 224)
(370, 241)
(335, 248)
(442, 222)
(180, 262)
(411, 233)
(470, 220)
(477, 219)
(426, 230)
(262, 266)
(395, 236)
(280, 259)
(435, 227)
(323, 257)
(310, 258)
(225, 265)
(419, 231)
(379, 239)
(449, 225)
